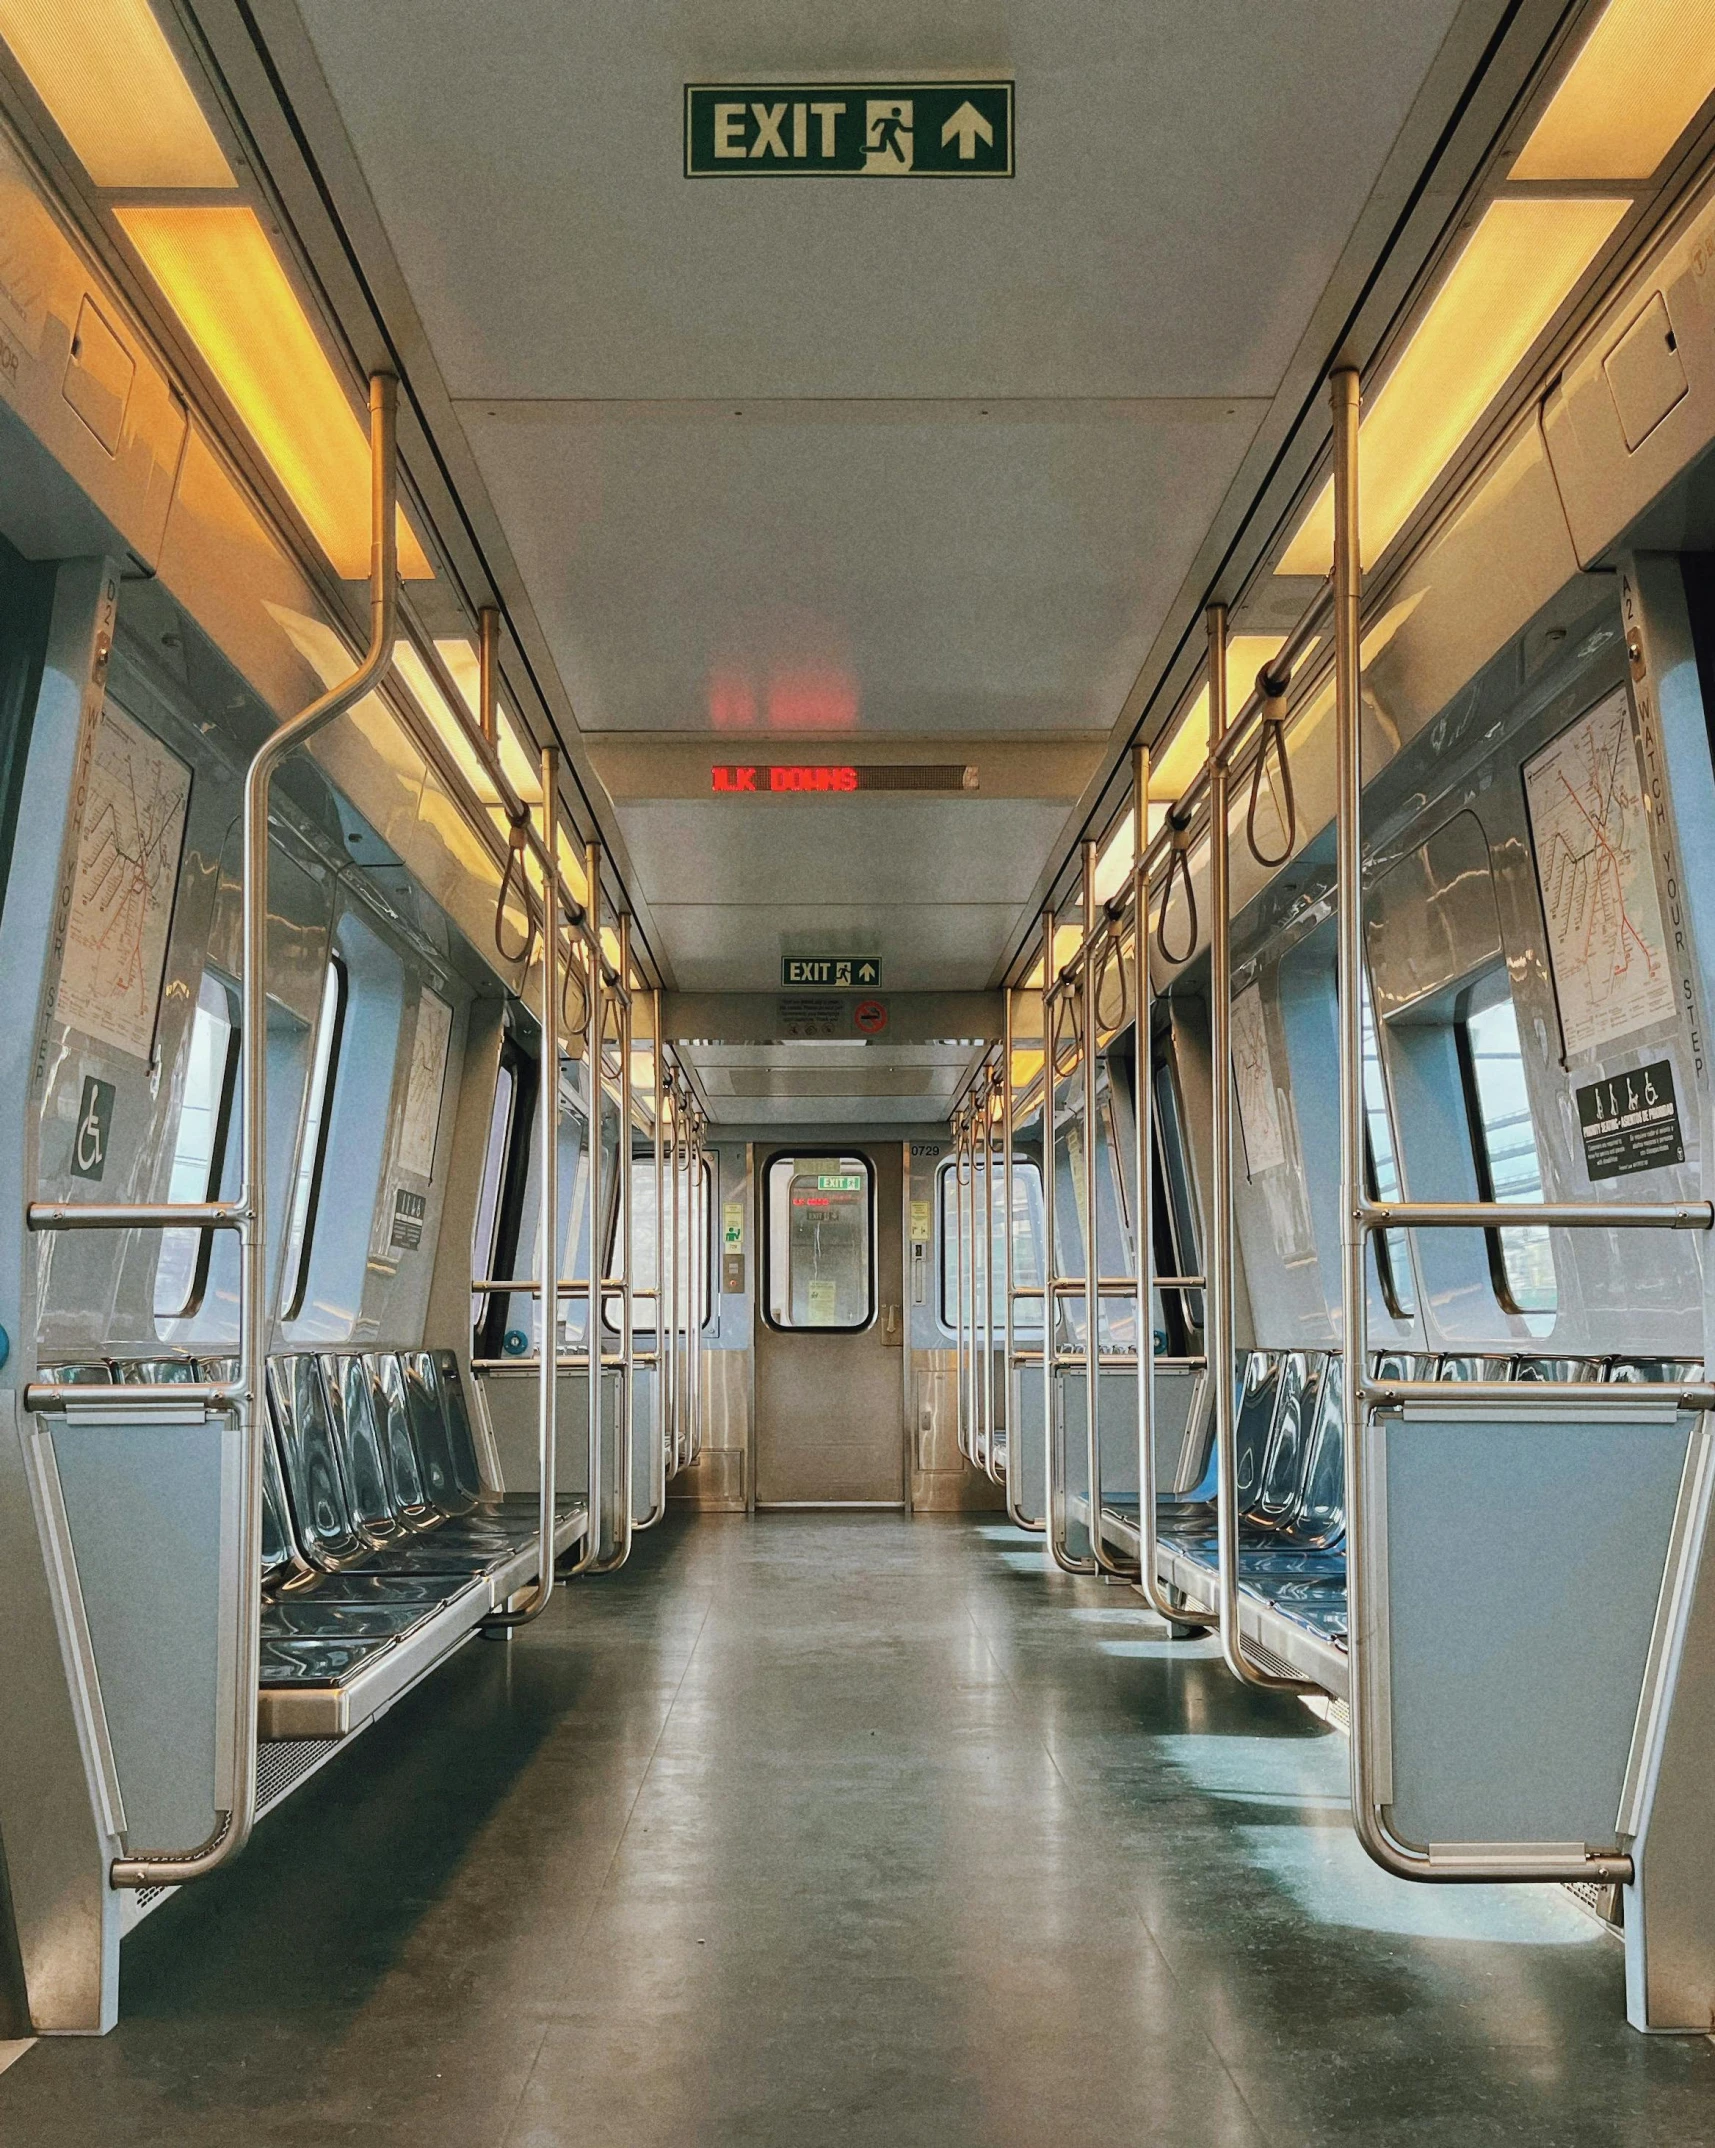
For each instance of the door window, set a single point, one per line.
(820, 1254)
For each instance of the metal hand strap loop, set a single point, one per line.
(1058, 1030)
(517, 838)
(1110, 961)
(571, 1023)
(1273, 740)
(1178, 864)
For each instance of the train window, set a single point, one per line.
(1179, 1313)
(645, 1246)
(820, 1254)
(199, 1146)
(485, 1235)
(1381, 1168)
(500, 1205)
(1521, 1260)
(313, 1148)
(1026, 1243)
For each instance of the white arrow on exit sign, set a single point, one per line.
(968, 127)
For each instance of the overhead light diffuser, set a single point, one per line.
(218, 271)
(1645, 72)
(1517, 268)
(517, 760)
(115, 90)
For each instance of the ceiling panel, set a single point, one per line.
(736, 947)
(1188, 171)
(837, 851)
(802, 573)
(829, 462)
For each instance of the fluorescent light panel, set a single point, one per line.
(1645, 72)
(115, 90)
(218, 271)
(516, 757)
(1506, 286)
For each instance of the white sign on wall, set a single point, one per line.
(1606, 945)
(423, 1088)
(1253, 1079)
(128, 851)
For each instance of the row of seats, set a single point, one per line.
(375, 1518)
(1290, 1466)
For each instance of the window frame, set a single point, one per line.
(710, 1251)
(327, 1065)
(1492, 990)
(1384, 1244)
(489, 1325)
(219, 1140)
(1023, 1164)
(766, 1292)
(1177, 1223)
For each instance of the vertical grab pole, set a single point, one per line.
(1008, 1262)
(1222, 1256)
(973, 1120)
(961, 1412)
(982, 1283)
(658, 1415)
(1143, 1203)
(991, 1100)
(234, 1820)
(1092, 1226)
(1354, 1295)
(595, 1021)
(704, 1204)
(671, 1278)
(488, 678)
(1054, 1436)
(547, 1235)
(624, 1431)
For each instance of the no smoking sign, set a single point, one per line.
(869, 1017)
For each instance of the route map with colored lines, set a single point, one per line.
(1594, 869)
(122, 896)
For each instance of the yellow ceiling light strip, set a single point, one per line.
(1645, 72)
(115, 90)
(516, 758)
(1516, 270)
(220, 274)
(449, 726)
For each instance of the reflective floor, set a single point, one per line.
(825, 1830)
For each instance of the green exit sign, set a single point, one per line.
(848, 130)
(835, 973)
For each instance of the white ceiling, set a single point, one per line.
(808, 462)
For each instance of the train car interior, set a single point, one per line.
(854, 1257)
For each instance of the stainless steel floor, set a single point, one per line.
(847, 1830)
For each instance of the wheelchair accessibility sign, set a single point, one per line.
(848, 130)
(1630, 1122)
(94, 1127)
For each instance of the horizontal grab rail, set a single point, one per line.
(43, 1396)
(136, 1215)
(1685, 1394)
(1557, 1215)
(569, 1361)
(527, 1285)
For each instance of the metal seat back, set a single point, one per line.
(315, 1482)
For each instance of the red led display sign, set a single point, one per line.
(793, 776)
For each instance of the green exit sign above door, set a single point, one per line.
(848, 130)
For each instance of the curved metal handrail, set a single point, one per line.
(1220, 1265)
(547, 1247)
(1359, 1217)
(234, 1820)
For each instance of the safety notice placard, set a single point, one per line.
(848, 130)
(1630, 1122)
